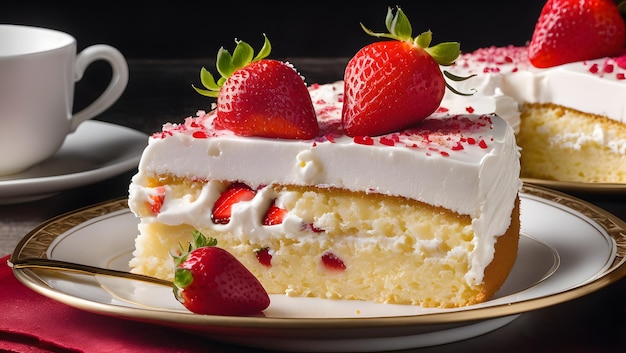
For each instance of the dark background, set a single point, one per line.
(196, 29)
(166, 44)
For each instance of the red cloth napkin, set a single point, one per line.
(30, 322)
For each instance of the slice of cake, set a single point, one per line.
(570, 118)
(426, 214)
(568, 108)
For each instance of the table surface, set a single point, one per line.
(160, 91)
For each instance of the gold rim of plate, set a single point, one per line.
(36, 242)
(578, 187)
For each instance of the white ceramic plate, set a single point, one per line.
(568, 249)
(94, 152)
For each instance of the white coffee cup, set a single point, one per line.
(38, 71)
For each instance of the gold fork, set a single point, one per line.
(59, 265)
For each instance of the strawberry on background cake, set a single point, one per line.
(360, 189)
(564, 93)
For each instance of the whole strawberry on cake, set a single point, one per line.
(564, 93)
(348, 190)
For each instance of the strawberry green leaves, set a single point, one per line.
(399, 28)
(259, 97)
(226, 64)
(199, 240)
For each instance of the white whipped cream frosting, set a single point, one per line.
(505, 78)
(472, 169)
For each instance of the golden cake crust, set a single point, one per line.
(506, 250)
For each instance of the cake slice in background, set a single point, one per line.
(566, 98)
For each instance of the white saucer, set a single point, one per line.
(96, 151)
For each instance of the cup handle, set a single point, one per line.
(116, 86)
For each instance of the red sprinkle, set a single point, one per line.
(199, 134)
(621, 61)
(386, 140)
(364, 140)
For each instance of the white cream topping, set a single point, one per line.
(466, 163)
(593, 86)
(487, 98)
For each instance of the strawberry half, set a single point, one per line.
(234, 193)
(211, 281)
(274, 215)
(393, 84)
(576, 30)
(258, 96)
